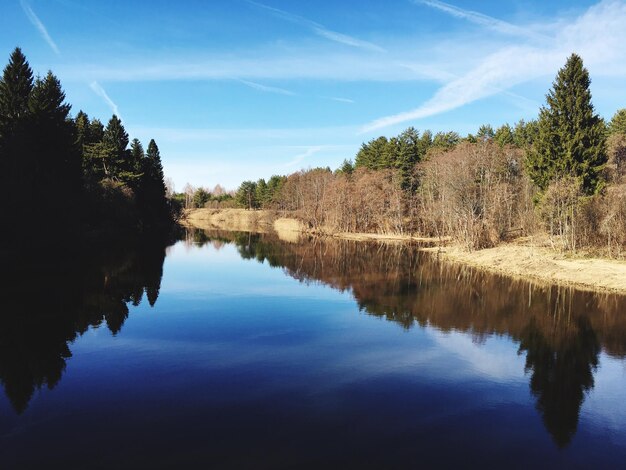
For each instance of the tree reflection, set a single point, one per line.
(51, 299)
(561, 374)
(561, 330)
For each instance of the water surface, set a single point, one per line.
(238, 350)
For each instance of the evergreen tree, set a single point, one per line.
(246, 195)
(504, 136)
(525, 133)
(377, 154)
(115, 138)
(274, 185)
(410, 152)
(15, 88)
(262, 193)
(57, 162)
(136, 156)
(81, 124)
(96, 131)
(446, 140)
(347, 167)
(618, 122)
(152, 200)
(485, 132)
(16, 152)
(571, 137)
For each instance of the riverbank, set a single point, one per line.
(526, 258)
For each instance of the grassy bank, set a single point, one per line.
(525, 258)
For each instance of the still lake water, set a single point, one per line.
(237, 350)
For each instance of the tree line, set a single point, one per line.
(561, 175)
(59, 172)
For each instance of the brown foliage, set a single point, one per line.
(364, 201)
(476, 193)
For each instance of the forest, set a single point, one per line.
(63, 175)
(560, 177)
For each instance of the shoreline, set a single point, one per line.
(526, 261)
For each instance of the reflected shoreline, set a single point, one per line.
(561, 330)
(52, 298)
(49, 302)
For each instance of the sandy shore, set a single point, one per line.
(545, 265)
(526, 261)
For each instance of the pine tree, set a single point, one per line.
(15, 88)
(504, 135)
(15, 145)
(115, 138)
(571, 137)
(485, 132)
(409, 153)
(57, 162)
(136, 156)
(618, 122)
(151, 193)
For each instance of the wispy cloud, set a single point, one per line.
(342, 100)
(320, 30)
(101, 92)
(265, 88)
(34, 19)
(597, 36)
(323, 64)
(481, 19)
(298, 158)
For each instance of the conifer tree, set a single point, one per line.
(15, 88)
(618, 122)
(116, 139)
(504, 135)
(151, 191)
(136, 156)
(57, 163)
(15, 145)
(571, 137)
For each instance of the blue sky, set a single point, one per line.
(237, 89)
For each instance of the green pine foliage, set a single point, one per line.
(571, 137)
(618, 122)
(504, 136)
(73, 172)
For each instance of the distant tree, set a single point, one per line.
(618, 122)
(218, 190)
(201, 197)
(136, 160)
(96, 131)
(115, 137)
(410, 151)
(57, 161)
(153, 184)
(346, 168)
(246, 195)
(571, 137)
(485, 132)
(504, 136)
(16, 152)
(15, 88)
(81, 124)
(262, 194)
(525, 133)
(446, 140)
(426, 141)
(376, 154)
(274, 186)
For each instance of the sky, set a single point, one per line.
(240, 89)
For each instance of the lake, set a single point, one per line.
(239, 350)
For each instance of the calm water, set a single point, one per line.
(241, 351)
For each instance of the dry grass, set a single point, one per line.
(539, 263)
